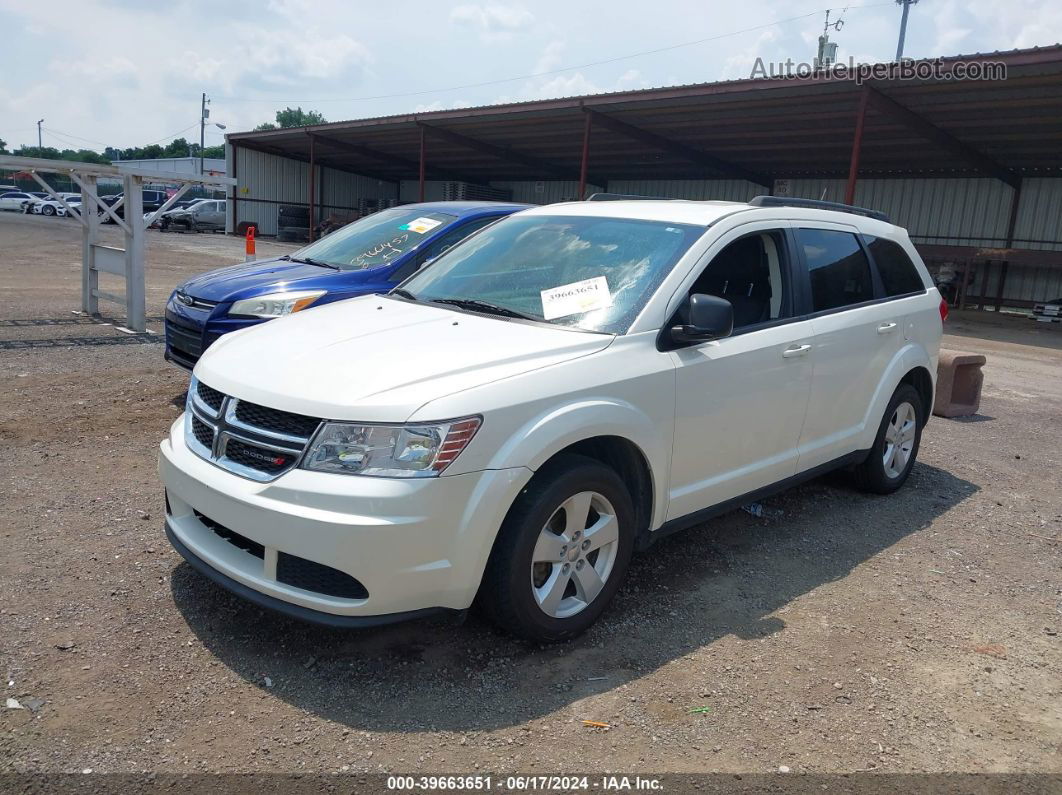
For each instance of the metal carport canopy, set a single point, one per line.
(755, 129)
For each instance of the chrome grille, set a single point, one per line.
(191, 300)
(255, 442)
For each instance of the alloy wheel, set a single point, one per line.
(899, 439)
(574, 554)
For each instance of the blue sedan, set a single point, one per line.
(371, 255)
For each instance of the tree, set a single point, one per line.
(51, 153)
(178, 147)
(3, 147)
(293, 117)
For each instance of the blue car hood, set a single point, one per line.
(256, 278)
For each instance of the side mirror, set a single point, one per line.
(709, 318)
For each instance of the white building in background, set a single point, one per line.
(212, 166)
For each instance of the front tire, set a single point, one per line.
(48, 210)
(562, 552)
(896, 445)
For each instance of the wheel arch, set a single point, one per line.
(922, 381)
(628, 461)
(911, 364)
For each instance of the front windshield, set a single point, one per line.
(375, 240)
(590, 273)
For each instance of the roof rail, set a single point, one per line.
(814, 204)
(617, 197)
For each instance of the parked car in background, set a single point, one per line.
(50, 206)
(14, 199)
(202, 215)
(38, 195)
(153, 199)
(1049, 311)
(565, 387)
(368, 256)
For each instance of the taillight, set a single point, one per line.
(943, 310)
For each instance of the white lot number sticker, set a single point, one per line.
(421, 225)
(577, 297)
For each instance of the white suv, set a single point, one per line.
(560, 390)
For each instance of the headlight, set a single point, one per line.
(275, 304)
(390, 451)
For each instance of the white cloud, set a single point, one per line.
(493, 21)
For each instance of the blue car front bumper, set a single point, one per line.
(190, 330)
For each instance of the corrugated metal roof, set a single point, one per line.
(746, 128)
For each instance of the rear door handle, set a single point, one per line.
(885, 328)
(796, 350)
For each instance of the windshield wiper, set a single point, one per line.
(483, 306)
(311, 261)
(403, 294)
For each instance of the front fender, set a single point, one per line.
(545, 435)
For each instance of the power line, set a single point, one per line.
(60, 134)
(560, 70)
(171, 136)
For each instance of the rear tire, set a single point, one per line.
(896, 444)
(562, 552)
(48, 210)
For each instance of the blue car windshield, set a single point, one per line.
(376, 240)
(590, 273)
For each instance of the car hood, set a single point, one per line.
(255, 278)
(377, 359)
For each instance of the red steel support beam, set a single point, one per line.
(857, 145)
(421, 191)
(584, 163)
(313, 189)
(1012, 224)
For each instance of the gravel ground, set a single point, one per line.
(917, 632)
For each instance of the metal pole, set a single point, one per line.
(235, 192)
(135, 297)
(1011, 226)
(421, 194)
(857, 143)
(586, 156)
(90, 278)
(39, 144)
(202, 131)
(313, 168)
(903, 26)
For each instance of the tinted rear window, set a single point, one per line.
(898, 273)
(840, 271)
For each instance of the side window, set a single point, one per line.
(442, 244)
(751, 274)
(454, 236)
(898, 273)
(840, 272)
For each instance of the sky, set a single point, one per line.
(129, 73)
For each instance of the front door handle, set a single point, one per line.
(796, 350)
(885, 328)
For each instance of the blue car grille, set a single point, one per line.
(185, 342)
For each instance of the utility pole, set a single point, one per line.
(903, 26)
(39, 144)
(827, 53)
(203, 113)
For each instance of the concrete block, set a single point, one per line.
(959, 381)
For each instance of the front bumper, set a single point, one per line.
(191, 330)
(414, 544)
